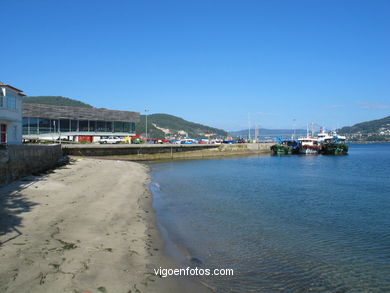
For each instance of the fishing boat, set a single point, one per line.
(332, 143)
(285, 147)
(309, 145)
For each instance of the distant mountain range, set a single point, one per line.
(263, 132)
(159, 125)
(374, 130)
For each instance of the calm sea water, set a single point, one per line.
(283, 223)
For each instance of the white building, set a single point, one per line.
(10, 114)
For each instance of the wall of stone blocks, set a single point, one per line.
(17, 161)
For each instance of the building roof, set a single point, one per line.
(10, 86)
(77, 113)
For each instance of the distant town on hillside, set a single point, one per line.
(374, 130)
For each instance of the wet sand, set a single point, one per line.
(85, 227)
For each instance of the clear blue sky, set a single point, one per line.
(207, 61)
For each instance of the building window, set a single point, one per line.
(11, 102)
(118, 126)
(101, 126)
(33, 125)
(126, 126)
(3, 133)
(25, 126)
(92, 125)
(44, 125)
(2, 101)
(109, 126)
(83, 125)
(64, 125)
(74, 125)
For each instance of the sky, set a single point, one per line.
(227, 64)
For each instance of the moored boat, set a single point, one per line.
(278, 149)
(334, 148)
(309, 145)
(286, 147)
(332, 143)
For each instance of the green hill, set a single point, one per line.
(164, 125)
(374, 130)
(55, 100)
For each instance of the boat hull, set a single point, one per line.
(334, 149)
(278, 149)
(304, 150)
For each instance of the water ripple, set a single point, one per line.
(284, 224)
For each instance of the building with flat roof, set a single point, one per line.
(10, 114)
(51, 122)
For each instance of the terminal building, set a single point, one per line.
(52, 122)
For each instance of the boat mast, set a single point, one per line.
(312, 129)
(249, 127)
(307, 129)
(293, 138)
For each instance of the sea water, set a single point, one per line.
(282, 223)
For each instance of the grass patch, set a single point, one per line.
(56, 266)
(67, 245)
(102, 289)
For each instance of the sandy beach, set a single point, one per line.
(85, 227)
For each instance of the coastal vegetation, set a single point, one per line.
(55, 100)
(374, 130)
(164, 125)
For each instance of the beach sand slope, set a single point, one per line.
(84, 227)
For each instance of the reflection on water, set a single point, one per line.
(290, 223)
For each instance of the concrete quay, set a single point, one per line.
(145, 152)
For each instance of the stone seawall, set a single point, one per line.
(20, 160)
(168, 151)
(129, 149)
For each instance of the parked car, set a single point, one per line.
(110, 139)
(229, 142)
(216, 141)
(203, 141)
(188, 141)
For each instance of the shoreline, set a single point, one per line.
(160, 237)
(76, 229)
(151, 160)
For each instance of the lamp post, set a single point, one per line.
(294, 126)
(54, 130)
(146, 124)
(249, 127)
